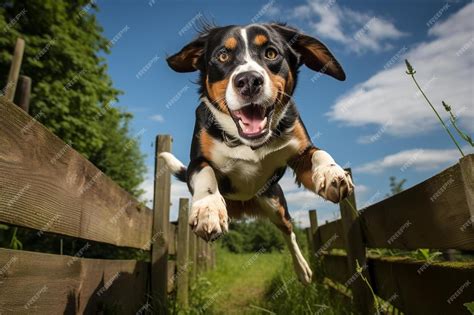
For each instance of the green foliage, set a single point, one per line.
(396, 186)
(470, 307)
(286, 295)
(426, 254)
(72, 94)
(252, 236)
(15, 243)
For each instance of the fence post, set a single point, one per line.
(192, 256)
(313, 222)
(467, 172)
(316, 245)
(15, 67)
(161, 212)
(183, 253)
(362, 297)
(201, 259)
(23, 92)
(213, 256)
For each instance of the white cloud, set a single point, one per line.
(418, 159)
(359, 32)
(158, 118)
(444, 67)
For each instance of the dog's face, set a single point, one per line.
(248, 74)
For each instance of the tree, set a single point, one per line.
(396, 186)
(72, 94)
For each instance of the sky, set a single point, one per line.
(374, 122)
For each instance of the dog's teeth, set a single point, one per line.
(263, 123)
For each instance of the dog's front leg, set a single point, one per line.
(318, 171)
(208, 217)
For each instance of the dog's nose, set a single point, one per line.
(248, 84)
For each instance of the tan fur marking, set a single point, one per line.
(206, 143)
(284, 225)
(302, 166)
(216, 92)
(300, 134)
(279, 87)
(230, 43)
(260, 40)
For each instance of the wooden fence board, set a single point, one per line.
(336, 268)
(52, 284)
(171, 276)
(46, 185)
(428, 215)
(419, 288)
(172, 240)
(161, 218)
(331, 235)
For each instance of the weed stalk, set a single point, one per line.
(411, 72)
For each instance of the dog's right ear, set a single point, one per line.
(189, 58)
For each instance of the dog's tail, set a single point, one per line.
(176, 167)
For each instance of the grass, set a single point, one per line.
(238, 282)
(258, 283)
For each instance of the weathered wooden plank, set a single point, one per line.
(356, 257)
(467, 173)
(192, 256)
(336, 268)
(201, 255)
(417, 287)
(171, 276)
(172, 239)
(23, 93)
(182, 259)
(15, 67)
(331, 236)
(52, 284)
(431, 214)
(46, 185)
(161, 215)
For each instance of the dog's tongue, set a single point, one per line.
(252, 117)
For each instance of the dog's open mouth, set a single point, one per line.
(252, 120)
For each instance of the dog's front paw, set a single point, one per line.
(332, 183)
(208, 217)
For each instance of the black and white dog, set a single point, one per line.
(248, 129)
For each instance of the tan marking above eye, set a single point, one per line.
(260, 40)
(230, 43)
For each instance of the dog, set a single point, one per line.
(248, 129)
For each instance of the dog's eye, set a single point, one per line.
(223, 56)
(271, 53)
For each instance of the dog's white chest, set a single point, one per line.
(250, 170)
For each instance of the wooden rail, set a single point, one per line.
(435, 214)
(47, 186)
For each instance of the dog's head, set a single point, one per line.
(248, 74)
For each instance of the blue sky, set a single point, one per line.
(374, 122)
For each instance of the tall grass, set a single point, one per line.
(286, 295)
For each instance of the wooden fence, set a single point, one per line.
(47, 186)
(435, 214)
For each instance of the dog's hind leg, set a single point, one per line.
(272, 204)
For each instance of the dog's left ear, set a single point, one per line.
(314, 54)
(188, 59)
